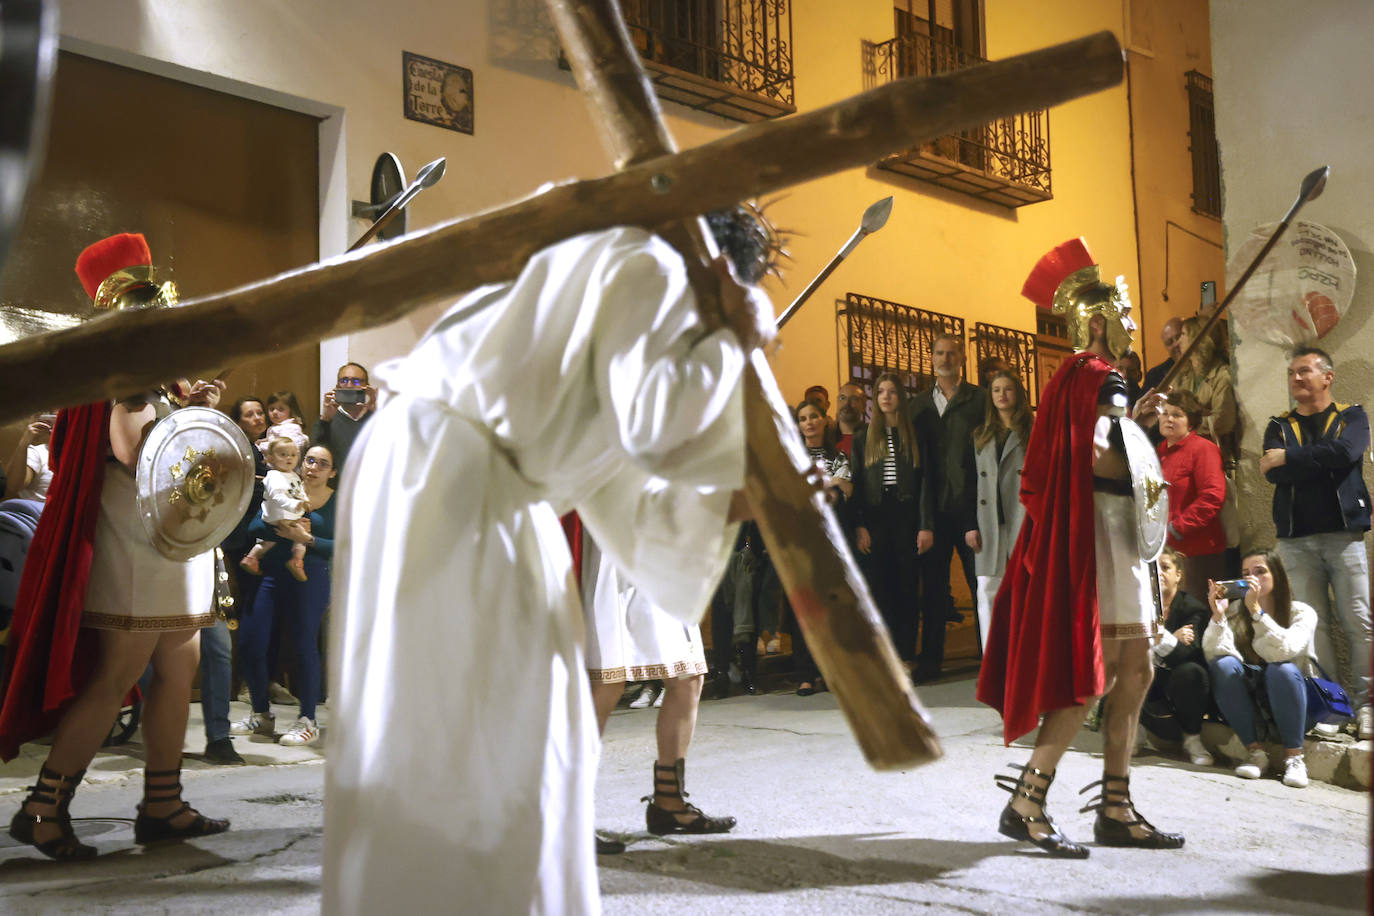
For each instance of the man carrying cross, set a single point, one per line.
(587, 383)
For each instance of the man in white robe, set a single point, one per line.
(589, 382)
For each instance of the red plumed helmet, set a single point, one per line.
(98, 261)
(1053, 269)
(117, 273)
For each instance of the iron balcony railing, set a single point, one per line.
(998, 348)
(1006, 161)
(729, 57)
(882, 336)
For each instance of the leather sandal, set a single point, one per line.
(1016, 825)
(52, 788)
(668, 782)
(149, 829)
(1109, 831)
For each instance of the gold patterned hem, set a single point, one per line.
(141, 624)
(1126, 630)
(646, 672)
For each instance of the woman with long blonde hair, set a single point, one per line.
(894, 509)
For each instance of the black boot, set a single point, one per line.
(1134, 830)
(668, 783)
(165, 786)
(52, 789)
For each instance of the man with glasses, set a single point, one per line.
(347, 408)
(1314, 457)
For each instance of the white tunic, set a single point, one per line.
(587, 383)
(629, 638)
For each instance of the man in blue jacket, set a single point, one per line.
(1314, 456)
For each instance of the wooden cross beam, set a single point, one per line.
(114, 355)
(837, 615)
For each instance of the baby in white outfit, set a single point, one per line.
(283, 499)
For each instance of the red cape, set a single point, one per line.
(572, 530)
(50, 656)
(1044, 648)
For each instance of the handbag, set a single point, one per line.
(1327, 701)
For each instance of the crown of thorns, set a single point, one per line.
(749, 239)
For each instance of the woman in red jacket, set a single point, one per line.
(1197, 489)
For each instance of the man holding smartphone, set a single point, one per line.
(27, 474)
(347, 408)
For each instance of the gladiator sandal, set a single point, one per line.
(668, 781)
(52, 789)
(165, 786)
(1019, 826)
(1133, 831)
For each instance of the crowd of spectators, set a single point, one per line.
(937, 475)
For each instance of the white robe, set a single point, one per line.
(462, 741)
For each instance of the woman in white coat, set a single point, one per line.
(999, 448)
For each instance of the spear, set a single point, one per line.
(1312, 186)
(874, 218)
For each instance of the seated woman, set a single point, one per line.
(833, 466)
(1263, 643)
(1197, 489)
(1181, 689)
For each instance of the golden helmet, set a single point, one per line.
(1067, 281)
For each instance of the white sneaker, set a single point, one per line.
(303, 732)
(645, 698)
(256, 723)
(1365, 720)
(1196, 751)
(1295, 772)
(1326, 730)
(1254, 767)
(658, 700)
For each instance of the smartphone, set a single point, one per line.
(1209, 293)
(1235, 589)
(350, 395)
(48, 418)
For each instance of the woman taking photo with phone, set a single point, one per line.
(1260, 640)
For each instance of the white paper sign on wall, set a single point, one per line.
(1301, 289)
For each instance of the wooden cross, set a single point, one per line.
(115, 354)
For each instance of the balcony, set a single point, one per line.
(1006, 162)
(882, 336)
(732, 58)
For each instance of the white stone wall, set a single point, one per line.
(1291, 88)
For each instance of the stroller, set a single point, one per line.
(18, 522)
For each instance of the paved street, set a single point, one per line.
(819, 832)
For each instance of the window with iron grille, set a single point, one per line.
(998, 349)
(732, 58)
(1202, 143)
(882, 336)
(1006, 161)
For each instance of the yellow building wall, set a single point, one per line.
(1179, 247)
(340, 59)
(942, 250)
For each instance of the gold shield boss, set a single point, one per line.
(1088, 304)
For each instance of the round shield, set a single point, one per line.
(1151, 491)
(195, 479)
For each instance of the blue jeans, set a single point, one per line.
(1330, 571)
(301, 607)
(1283, 685)
(216, 678)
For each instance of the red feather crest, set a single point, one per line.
(97, 262)
(1053, 269)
